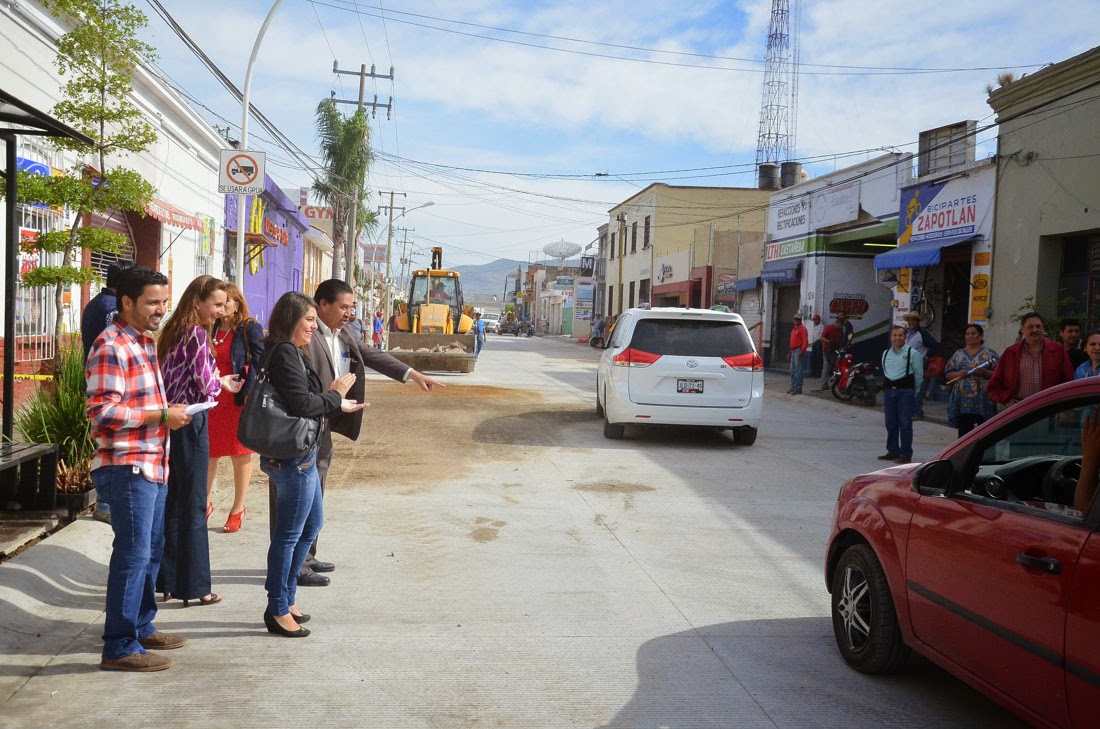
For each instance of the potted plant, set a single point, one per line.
(56, 414)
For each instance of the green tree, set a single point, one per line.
(97, 59)
(346, 155)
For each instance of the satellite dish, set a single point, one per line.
(561, 250)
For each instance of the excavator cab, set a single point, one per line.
(434, 319)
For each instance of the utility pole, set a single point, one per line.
(353, 236)
(404, 261)
(387, 282)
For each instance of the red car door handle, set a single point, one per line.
(1046, 564)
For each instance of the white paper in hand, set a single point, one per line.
(199, 407)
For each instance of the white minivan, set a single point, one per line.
(492, 322)
(668, 366)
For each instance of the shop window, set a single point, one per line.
(633, 237)
(645, 234)
(643, 291)
(1079, 283)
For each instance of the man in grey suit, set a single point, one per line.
(334, 351)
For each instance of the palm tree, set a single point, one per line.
(346, 156)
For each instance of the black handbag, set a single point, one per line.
(268, 429)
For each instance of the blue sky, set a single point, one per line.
(472, 96)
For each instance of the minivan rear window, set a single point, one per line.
(691, 337)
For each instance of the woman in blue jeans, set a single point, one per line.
(298, 514)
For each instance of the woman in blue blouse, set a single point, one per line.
(1091, 366)
(968, 371)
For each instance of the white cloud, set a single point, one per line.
(469, 102)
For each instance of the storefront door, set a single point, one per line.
(787, 301)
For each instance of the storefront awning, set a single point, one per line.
(169, 214)
(746, 284)
(784, 270)
(918, 255)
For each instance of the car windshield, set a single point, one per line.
(1057, 435)
(691, 337)
(492, 317)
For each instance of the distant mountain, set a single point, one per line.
(480, 283)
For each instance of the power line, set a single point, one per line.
(838, 69)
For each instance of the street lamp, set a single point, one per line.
(241, 199)
(389, 260)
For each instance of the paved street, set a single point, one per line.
(501, 564)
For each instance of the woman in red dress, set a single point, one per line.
(238, 344)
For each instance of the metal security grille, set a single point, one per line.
(35, 311)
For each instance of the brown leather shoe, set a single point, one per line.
(903, 460)
(137, 662)
(888, 457)
(162, 642)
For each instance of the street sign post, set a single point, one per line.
(241, 173)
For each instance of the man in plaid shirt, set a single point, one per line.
(130, 421)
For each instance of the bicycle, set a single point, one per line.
(920, 301)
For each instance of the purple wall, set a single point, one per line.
(281, 269)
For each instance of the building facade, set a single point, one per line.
(823, 235)
(176, 234)
(667, 245)
(1047, 200)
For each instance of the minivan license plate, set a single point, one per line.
(689, 385)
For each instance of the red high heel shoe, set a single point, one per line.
(233, 523)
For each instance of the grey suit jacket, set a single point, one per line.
(362, 357)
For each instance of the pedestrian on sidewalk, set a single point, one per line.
(799, 346)
(903, 370)
(967, 372)
(332, 353)
(831, 338)
(921, 340)
(191, 376)
(238, 344)
(816, 357)
(1091, 366)
(130, 420)
(479, 334)
(1032, 364)
(1070, 334)
(97, 316)
(294, 482)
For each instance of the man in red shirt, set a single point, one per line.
(831, 338)
(800, 345)
(130, 418)
(1032, 364)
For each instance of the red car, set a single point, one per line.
(978, 560)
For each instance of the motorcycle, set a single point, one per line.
(853, 380)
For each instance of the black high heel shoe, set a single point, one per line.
(303, 618)
(274, 627)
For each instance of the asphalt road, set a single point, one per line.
(501, 564)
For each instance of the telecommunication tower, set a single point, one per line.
(779, 103)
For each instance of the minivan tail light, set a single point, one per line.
(750, 361)
(634, 358)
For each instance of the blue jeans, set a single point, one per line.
(101, 505)
(298, 520)
(898, 406)
(137, 518)
(798, 370)
(479, 342)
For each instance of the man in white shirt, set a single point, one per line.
(332, 354)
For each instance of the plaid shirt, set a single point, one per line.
(123, 383)
(1031, 373)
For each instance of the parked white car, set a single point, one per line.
(668, 366)
(492, 323)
